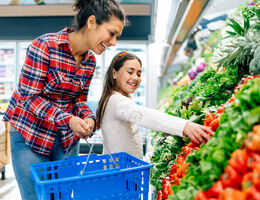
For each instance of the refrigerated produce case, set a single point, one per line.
(7, 72)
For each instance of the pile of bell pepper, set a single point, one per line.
(167, 190)
(241, 178)
(211, 119)
(178, 171)
(180, 167)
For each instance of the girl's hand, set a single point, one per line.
(197, 133)
(80, 127)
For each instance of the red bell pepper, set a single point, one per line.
(174, 169)
(231, 178)
(180, 160)
(253, 158)
(252, 194)
(256, 176)
(231, 99)
(176, 179)
(201, 195)
(165, 192)
(193, 145)
(220, 110)
(238, 161)
(247, 181)
(181, 172)
(165, 180)
(214, 124)
(186, 150)
(159, 196)
(169, 187)
(208, 118)
(215, 190)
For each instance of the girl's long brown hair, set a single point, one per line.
(110, 83)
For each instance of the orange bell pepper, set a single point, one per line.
(252, 142)
(232, 194)
(247, 182)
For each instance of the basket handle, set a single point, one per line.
(67, 150)
(84, 168)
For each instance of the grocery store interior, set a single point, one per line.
(200, 61)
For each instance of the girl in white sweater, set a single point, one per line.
(119, 116)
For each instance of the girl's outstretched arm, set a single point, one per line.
(126, 109)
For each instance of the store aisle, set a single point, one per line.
(8, 187)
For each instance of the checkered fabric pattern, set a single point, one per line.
(50, 91)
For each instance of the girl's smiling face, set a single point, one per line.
(128, 77)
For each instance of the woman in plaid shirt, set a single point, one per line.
(48, 111)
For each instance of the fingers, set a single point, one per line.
(91, 122)
(80, 127)
(193, 138)
(207, 129)
(197, 133)
(203, 133)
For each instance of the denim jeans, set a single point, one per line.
(23, 156)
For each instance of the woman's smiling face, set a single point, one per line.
(128, 77)
(105, 35)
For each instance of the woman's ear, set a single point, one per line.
(91, 22)
(114, 74)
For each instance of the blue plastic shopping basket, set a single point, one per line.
(61, 180)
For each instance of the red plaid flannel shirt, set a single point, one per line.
(50, 91)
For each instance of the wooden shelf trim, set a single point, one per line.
(63, 10)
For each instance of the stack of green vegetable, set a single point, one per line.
(209, 163)
(207, 93)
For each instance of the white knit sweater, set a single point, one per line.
(121, 120)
